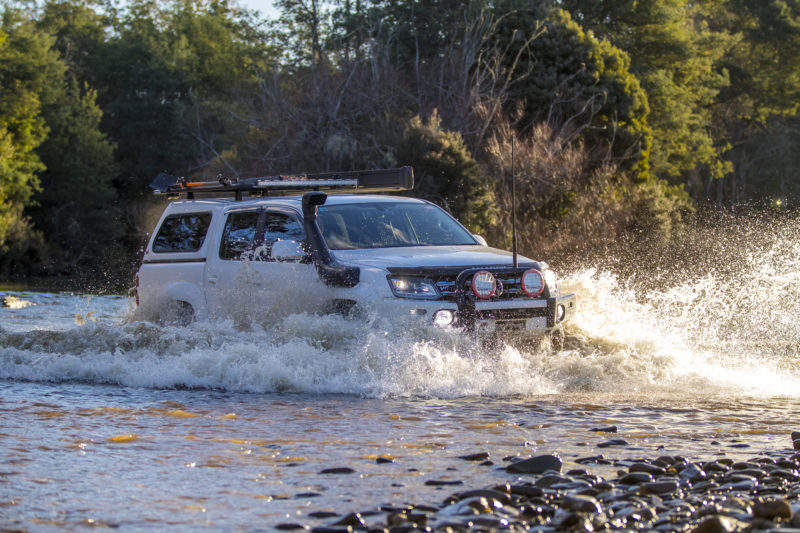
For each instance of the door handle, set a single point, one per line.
(212, 280)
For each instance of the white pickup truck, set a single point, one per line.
(397, 257)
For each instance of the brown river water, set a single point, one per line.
(106, 420)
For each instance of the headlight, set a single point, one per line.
(551, 282)
(414, 288)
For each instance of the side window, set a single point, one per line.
(238, 234)
(182, 233)
(280, 227)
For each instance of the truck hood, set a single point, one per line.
(428, 256)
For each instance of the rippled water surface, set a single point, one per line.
(107, 419)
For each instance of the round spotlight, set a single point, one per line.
(560, 313)
(443, 318)
(484, 285)
(532, 282)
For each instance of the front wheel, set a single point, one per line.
(557, 338)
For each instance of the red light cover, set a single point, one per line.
(484, 285)
(532, 282)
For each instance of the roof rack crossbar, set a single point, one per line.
(393, 179)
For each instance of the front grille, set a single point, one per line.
(511, 287)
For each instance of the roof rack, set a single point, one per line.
(392, 179)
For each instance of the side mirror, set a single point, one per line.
(480, 240)
(288, 251)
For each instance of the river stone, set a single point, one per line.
(338, 470)
(613, 442)
(692, 472)
(607, 429)
(480, 456)
(350, 520)
(771, 509)
(536, 465)
(719, 524)
(486, 493)
(582, 504)
(796, 444)
(659, 487)
(795, 435)
(635, 478)
(647, 468)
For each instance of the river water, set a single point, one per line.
(106, 420)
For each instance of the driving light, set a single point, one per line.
(413, 288)
(532, 282)
(560, 313)
(483, 284)
(443, 318)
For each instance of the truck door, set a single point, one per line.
(245, 282)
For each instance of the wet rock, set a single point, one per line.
(692, 472)
(635, 478)
(582, 504)
(771, 509)
(487, 463)
(536, 465)
(647, 468)
(323, 514)
(481, 456)
(302, 495)
(338, 470)
(594, 459)
(613, 442)
(659, 487)
(500, 497)
(350, 520)
(796, 444)
(607, 429)
(443, 482)
(795, 435)
(529, 491)
(383, 460)
(290, 527)
(719, 524)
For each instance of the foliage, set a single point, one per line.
(446, 173)
(29, 66)
(624, 114)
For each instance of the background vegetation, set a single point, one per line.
(626, 117)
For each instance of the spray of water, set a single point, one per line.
(716, 318)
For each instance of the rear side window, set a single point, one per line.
(238, 234)
(182, 233)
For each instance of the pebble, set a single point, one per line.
(481, 456)
(663, 494)
(338, 470)
(771, 509)
(608, 429)
(536, 465)
(613, 442)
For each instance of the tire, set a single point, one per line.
(177, 313)
(557, 339)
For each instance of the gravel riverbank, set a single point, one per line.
(665, 493)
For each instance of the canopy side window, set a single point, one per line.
(238, 235)
(184, 232)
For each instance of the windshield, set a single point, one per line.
(386, 225)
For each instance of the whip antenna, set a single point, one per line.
(513, 207)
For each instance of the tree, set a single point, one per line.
(27, 67)
(674, 54)
(446, 173)
(581, 85)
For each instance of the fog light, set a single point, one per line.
(443, 318)
(560, 312)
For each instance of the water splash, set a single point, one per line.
(715, 321)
